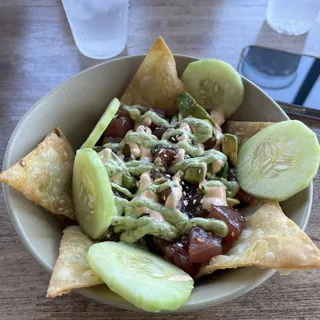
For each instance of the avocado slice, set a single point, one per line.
(230, 147)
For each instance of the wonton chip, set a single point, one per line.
(269, 240)
(44, 175)
(244, 129)
(156, 83)
(71, 269)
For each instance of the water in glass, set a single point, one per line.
(292, 17)
(99, 27)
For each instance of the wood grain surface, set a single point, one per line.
(37, 53)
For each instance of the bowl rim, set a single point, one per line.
(84, 291)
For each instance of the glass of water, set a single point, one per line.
(292, 17)
(99, 27)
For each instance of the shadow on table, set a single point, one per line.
(279, 41)
(85, 62)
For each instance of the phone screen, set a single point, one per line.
(290, 79)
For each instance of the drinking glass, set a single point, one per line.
(292, 17)
(99, 27)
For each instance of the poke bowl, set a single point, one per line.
(76, 106)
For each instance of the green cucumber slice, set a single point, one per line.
(278, 161)
(102, 124)
(142, 278)
(92, 194)
(215, 85)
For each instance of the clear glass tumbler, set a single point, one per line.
(99, 27)
(292, 17)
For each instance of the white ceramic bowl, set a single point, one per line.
(75, 106)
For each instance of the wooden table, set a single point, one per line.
(37, 53)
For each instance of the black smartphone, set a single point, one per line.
(290, 79)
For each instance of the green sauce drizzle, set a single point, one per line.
(126, 219)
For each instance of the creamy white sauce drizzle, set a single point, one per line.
(217, 166)
(145, 180)
(105, 154)
(185, 137)
(117, 178)
(214, 196)
(180, 156)
(217, 117)
(147, 122)
(219, 136)
(145, 152)
(135, 150)
(176, 193)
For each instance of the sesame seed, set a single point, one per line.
(199, 170)
(23, 163)
(194, 201)
(200, 240)
(165, 155)
(201, 201)
(185, 202)
(184, 193)
(232, 234)
(180, 245)
(182, 182)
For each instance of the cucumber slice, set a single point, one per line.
(92, 194)
(215, 85)
(102, 124)
(278, 161)
(142, 278)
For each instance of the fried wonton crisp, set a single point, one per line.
(45, 174)
(269, 240)
(156, 83)
(244, 130)
(71, 269)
